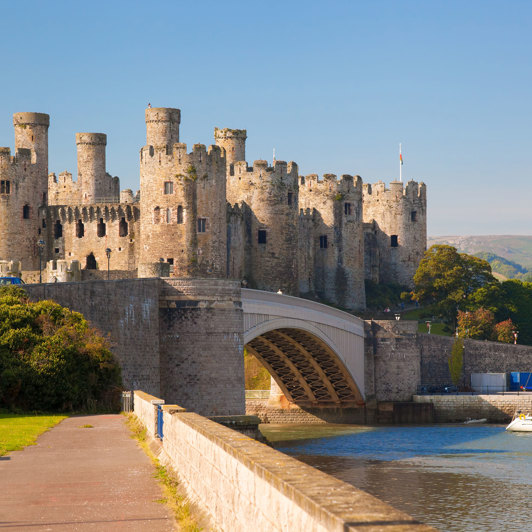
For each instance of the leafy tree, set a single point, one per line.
(445, 279)
(50, 358)
(456, 361)
(504, 331)
(477, 324)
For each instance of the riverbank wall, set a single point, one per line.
(459, 408)
(246, 485)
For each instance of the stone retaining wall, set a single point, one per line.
(246, 485)
(291, 413)
(458, 408)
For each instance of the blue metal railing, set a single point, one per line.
(160, 422)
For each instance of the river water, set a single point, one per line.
(453, 477)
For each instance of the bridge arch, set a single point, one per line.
(301, 354)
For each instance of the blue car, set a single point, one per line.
(10, 280)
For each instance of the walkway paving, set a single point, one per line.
(82, 479)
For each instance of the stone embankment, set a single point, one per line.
(246, 485)
(458, 408)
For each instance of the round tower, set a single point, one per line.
(31, 132)
(162, 126)
(91, 165)
(271, 223)
(233, 141)
(398, 215)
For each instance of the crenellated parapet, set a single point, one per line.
(396, 190)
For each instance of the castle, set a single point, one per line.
(204, 213)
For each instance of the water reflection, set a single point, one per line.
(456, 478)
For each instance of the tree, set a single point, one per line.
(476, 324)
(445, 279)
(50, 358)
(456, 361)
(504, 331)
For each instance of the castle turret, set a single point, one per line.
(396, 222)
(162, 126)
(331, 252)
(31, 132)
(91, 165)
(183, 201)
(233, 141)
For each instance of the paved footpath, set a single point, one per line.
(82, 479)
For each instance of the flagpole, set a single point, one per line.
(400, 164)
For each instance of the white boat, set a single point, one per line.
(521, 423)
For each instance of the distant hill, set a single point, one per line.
(509, 255)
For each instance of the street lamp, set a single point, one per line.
(41, 245)
(429, 325)
(108, 253)
(515, 336)
(398, 317)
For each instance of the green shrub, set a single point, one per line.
(50, 358)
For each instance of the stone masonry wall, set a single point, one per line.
(398, 359)
(127, 311)
(246, 485)
(458, 408)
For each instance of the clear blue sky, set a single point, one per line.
(334, 86)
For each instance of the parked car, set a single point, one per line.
(10, 280)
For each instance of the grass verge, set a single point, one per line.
(177, 501)
(20, 430)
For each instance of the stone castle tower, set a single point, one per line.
(205, 213)
(24, 189)
(182, 200)
(396, 230)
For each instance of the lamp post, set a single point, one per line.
(108, 253)
(515, 336)
(429, 325)
(398, 317)
(40, 244)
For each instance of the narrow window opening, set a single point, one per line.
(347, 209)
(91, 262)
(56, 250)
(5, 187)
(168, 187)
(44, 197)
(168, 216)
(43, 223)
(413, 216)
(262, 236)
(302, 180)
(290, 198)
(156, 215)
(58, 229)
(180, 214)
(323, 241)
(394, 241)
(170, 261)
(80, 229)
(202, 225)
(122, 227)
(26, 212)
(100, 228)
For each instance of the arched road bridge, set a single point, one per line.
(314, 352)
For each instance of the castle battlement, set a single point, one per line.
(177, 155)
(330, 184)
(261, 173)
(109, 212)
(22, 156)
(396, 190)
